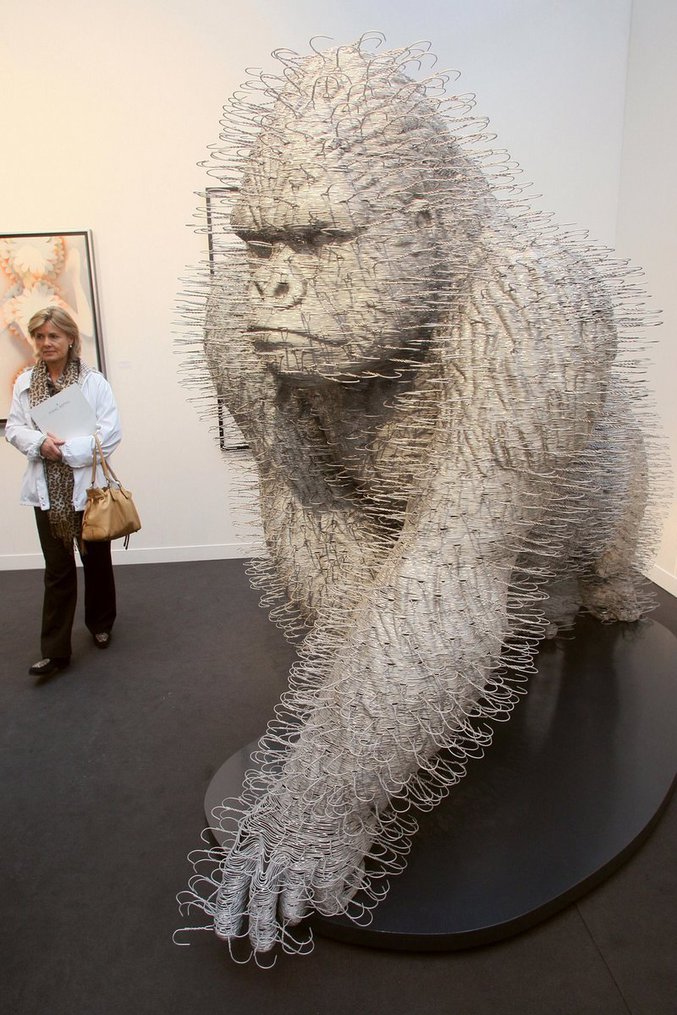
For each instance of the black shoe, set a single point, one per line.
(46, 667)
(102, 639)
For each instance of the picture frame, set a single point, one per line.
(218, 202)
(38, 270)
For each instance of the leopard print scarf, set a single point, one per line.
(63, 519)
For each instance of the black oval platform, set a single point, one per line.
(571, 786)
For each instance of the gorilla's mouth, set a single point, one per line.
(284, 338)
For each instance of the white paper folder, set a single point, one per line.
(66, 414)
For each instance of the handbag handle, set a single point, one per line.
(107, 471)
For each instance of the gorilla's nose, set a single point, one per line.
(277, 286)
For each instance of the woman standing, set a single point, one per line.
(55, 484)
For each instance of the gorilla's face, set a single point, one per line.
(338, 287)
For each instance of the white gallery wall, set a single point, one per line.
(647, 215)
(108, 109)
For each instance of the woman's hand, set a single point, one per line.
(51, 448)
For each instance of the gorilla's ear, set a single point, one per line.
(422, 212)
(424, 217)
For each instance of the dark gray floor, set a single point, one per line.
(103, 771)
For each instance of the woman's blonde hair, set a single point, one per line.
(63, 321)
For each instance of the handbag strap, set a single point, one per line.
(107, 470)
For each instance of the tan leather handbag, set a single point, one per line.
(110, 512)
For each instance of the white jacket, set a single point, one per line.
(22, 433)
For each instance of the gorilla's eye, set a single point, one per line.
(260, 248)
(318, 238)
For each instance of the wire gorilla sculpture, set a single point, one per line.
(449, 455)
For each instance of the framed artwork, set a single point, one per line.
(38, 270)
(219, 201)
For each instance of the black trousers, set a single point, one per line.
(61, 589)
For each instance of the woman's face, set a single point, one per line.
(52, 346)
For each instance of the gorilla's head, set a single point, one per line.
(358, 211)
